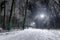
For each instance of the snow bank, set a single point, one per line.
(33, 34)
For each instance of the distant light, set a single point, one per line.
(42, 16)
(32, 24)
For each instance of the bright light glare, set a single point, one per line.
(42, 16)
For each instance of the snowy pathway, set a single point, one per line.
(32, 34)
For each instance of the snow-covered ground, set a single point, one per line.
(31, 34)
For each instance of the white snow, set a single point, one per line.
(32, 34)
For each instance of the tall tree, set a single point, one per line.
(59, 3)
(3, 6)
(26, 5)
(10, 18)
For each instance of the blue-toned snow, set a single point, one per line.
(31, 34)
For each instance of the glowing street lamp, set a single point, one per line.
(32, 24)
(42, 16)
